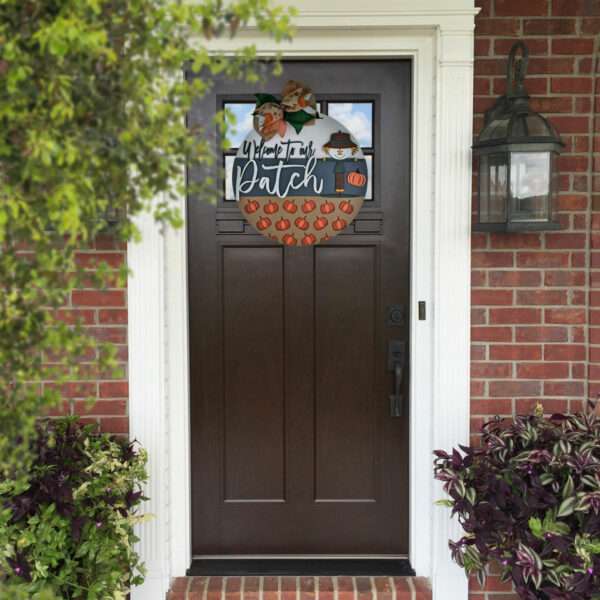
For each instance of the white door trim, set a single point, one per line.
(439, 40)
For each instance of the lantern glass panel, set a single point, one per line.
(493, 187)
(496, 129)
(536, 126)
(530, 186)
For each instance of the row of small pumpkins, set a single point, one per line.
(302, 223)
(300, 220)
(289, 239)
(291, 207)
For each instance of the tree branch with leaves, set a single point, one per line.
(92, 124)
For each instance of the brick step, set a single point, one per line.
(300, 588)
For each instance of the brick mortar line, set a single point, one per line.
(411, 585)
(590, 211)
(393, 587)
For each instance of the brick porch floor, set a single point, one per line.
(299, 588)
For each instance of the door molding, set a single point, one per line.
(438, 36)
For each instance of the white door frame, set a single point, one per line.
(438, 36)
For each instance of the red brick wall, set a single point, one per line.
(536, 314)
(104, 313)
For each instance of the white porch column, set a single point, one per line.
(452, 281)
(147, 401)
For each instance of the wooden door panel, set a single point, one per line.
(253, 374)
(294, 450)
(345, 310)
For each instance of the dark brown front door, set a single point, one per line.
(294, 447)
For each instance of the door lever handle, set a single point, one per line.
(396, 399)
(396, 350)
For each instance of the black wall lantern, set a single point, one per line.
(517, 151)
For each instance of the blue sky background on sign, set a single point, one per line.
(356, 116)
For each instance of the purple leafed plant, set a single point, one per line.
(529, 498)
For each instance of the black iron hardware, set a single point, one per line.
(422, 310)
(396, 355)
(395, 315)
(517, 152)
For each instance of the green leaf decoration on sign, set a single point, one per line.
(298, 119)
(264, 98)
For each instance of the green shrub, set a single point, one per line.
(68, 528)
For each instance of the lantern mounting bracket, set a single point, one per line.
(516, 70)
(516, 93)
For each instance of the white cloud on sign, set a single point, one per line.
(357, 117)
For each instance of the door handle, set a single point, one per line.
(396, 351)
(396, 399)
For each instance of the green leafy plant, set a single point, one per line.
(67, 528)
(92, 126)
(529, 499)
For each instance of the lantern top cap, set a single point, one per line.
(511, 123)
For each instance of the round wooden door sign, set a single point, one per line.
(299, 177)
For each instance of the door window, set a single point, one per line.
(357, 116)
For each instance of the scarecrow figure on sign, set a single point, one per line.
(341, 147)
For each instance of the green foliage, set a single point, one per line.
(68, 528)
(20, 592)
(92, 123)
(549, 526)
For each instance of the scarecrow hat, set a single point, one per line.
(340, 140)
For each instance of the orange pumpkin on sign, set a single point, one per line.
(289, 240)
(356, 178)
(339, 224)
(263, 223)
(346, 207)
(282, 224)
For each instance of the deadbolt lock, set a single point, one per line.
(394, 315)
